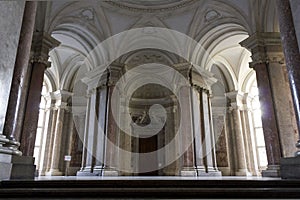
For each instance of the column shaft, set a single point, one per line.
(290, 166)
(111, 156)
(32, 109)
(101, 129)
(55, 160)
(291, 53)
(17, 97)
(188, 159)
(269, 122)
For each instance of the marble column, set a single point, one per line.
(49, 136)
(61, 107)
(198, 130)
(249, 138)
(237, 136)
(13, 165)
(101, 129)
(212, 170)
(88, 143)
(17, 98)
(186, 129)
(113, 132)
(278, 116)
(41, 45)
(205, 146)
(221, 136)
(290, 166)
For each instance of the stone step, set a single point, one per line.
(78, 189)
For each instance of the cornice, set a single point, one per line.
(265, 48)
(150, 9)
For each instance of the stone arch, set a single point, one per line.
(91, 16)
(218, 13)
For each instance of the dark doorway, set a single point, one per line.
(147, 145)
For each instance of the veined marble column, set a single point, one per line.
(42, 44)
(237, 136)
(205, 149)
(290, 166)
(186, 129)
(113, 132)
(16, 104)
(278, 117)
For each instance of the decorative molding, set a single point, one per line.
(211, 15)
(265, 48)
(88, 14)
(42, 44)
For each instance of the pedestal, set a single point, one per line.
(188, 171)
(271, 171)
(110, 172)
(213, 172)
(85, 172)
(54, 172)
(98, 170)
(243, 172)
(290, 168)
(16, 167)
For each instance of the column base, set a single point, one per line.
(110, 172)
(98, 170)
(210, 172)
(213, 172)
(290, 168)
(54, 172)
(271, 171)
(86, 171)
(243, 172)
(225, 171)
(201, 171)
(188, 171)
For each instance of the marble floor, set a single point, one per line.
(152, 178)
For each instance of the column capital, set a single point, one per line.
(265, 48)
(90, 92)
(183, 68)
(236, 98)
(115, 73)
(42, 44)
(62, 95)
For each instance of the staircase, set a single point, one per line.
(130, 188)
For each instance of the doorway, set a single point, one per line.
(147, 145)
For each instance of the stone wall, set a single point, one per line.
(11, 13)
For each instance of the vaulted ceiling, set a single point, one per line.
(217, 25)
